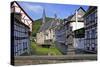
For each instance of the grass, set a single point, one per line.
(45, 51)
(37, 50)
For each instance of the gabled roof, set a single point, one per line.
(45, 26)
(69, 17)
(80, 11)
(22, 10)
(90, 9)
(48, 25)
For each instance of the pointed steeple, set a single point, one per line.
(43, 17)
(55, 16)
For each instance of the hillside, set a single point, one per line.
(37, 24)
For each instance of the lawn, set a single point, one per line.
(44, 51)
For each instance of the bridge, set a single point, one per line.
(33, 60)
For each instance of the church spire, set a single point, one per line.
(55, 16)
(43, 17)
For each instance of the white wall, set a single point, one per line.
(40, 38)
(77, 25)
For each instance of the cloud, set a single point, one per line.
(33, 8)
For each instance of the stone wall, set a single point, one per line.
(33, 60)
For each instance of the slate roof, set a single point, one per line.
(69, 17)
(45, 26)
(48, 25)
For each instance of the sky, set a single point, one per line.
(35, 10)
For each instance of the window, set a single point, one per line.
(89, 17)
(93, 47)
(25, 31)
(95, 17)
(18, 48)
(24, 46)
(88, 34)
(96, 14)
(87, 46)
(92, 40)
(15, 49)
(90, 47)
(93, 33)
(87, 20)
(87, 41)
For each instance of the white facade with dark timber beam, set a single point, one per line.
(22, 28)
(73, 23)
(91, 29)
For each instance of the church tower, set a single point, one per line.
(43, 17)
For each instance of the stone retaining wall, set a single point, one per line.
(29, 60)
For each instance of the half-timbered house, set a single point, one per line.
(21, 28)
(91, 29)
